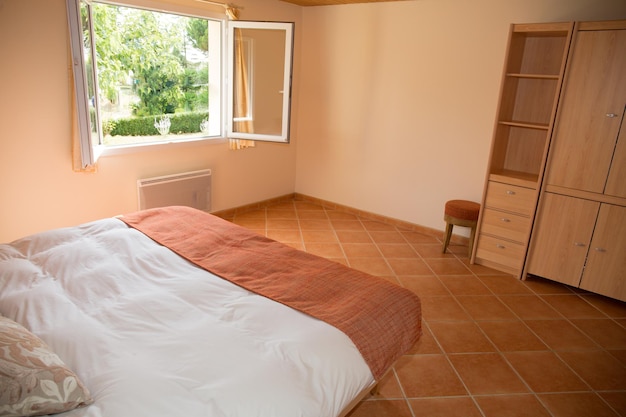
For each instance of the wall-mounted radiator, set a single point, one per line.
(191, 189)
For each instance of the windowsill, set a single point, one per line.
(114, 150)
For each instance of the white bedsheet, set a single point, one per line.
(152, 335)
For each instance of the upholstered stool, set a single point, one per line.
(460, 213)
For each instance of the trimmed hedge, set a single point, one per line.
(144, 126)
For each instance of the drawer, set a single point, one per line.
(505, 225)
(511, 198)
(500, 251)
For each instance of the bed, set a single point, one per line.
(175, 312)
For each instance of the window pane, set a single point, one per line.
(152, 75)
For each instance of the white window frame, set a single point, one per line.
(90, 152)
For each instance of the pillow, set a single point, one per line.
(33, 380)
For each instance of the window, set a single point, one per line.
(144, 76)
(148, 76)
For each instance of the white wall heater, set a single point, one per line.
(191, 189)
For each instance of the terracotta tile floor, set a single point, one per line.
(493, 346)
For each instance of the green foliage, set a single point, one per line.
(148, 48)
(158, 69)
(107, 127)
(187, 122)
(109, 49)
(198, 32)
(195, 90)
(144, 126)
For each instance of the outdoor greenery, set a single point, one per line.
(144, 126)
(146, 53)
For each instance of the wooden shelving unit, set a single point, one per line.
(531, 84)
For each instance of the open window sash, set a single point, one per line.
(259, 74)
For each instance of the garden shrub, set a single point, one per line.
(144, 126)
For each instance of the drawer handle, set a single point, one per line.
(509, 192)
(600, 250)
(500, 246)
(579, 244)
(505, 220)
(611, 115)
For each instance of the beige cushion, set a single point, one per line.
(33, 380)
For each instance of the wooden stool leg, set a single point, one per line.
(471, 241)
(447, 235)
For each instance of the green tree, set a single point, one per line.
(109, 48)
(137, 43)
(150, 49)
(197, 90)
(158, 68)
(198, 33)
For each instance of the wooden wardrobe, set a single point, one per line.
(555, 196)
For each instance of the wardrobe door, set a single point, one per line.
(564, 230)
(605, 271)
(590, 112)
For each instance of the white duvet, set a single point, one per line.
(152, 335)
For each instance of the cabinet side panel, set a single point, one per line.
(616, 183)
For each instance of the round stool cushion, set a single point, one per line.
(462, 209)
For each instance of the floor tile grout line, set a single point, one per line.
(402, 391)
(343, 251)
(393, 271)
(295, 207)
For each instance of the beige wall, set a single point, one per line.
(399, 99)
(39, 190)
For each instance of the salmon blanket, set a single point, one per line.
(383, 320)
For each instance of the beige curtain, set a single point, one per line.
(242, 98)
(77, 163)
